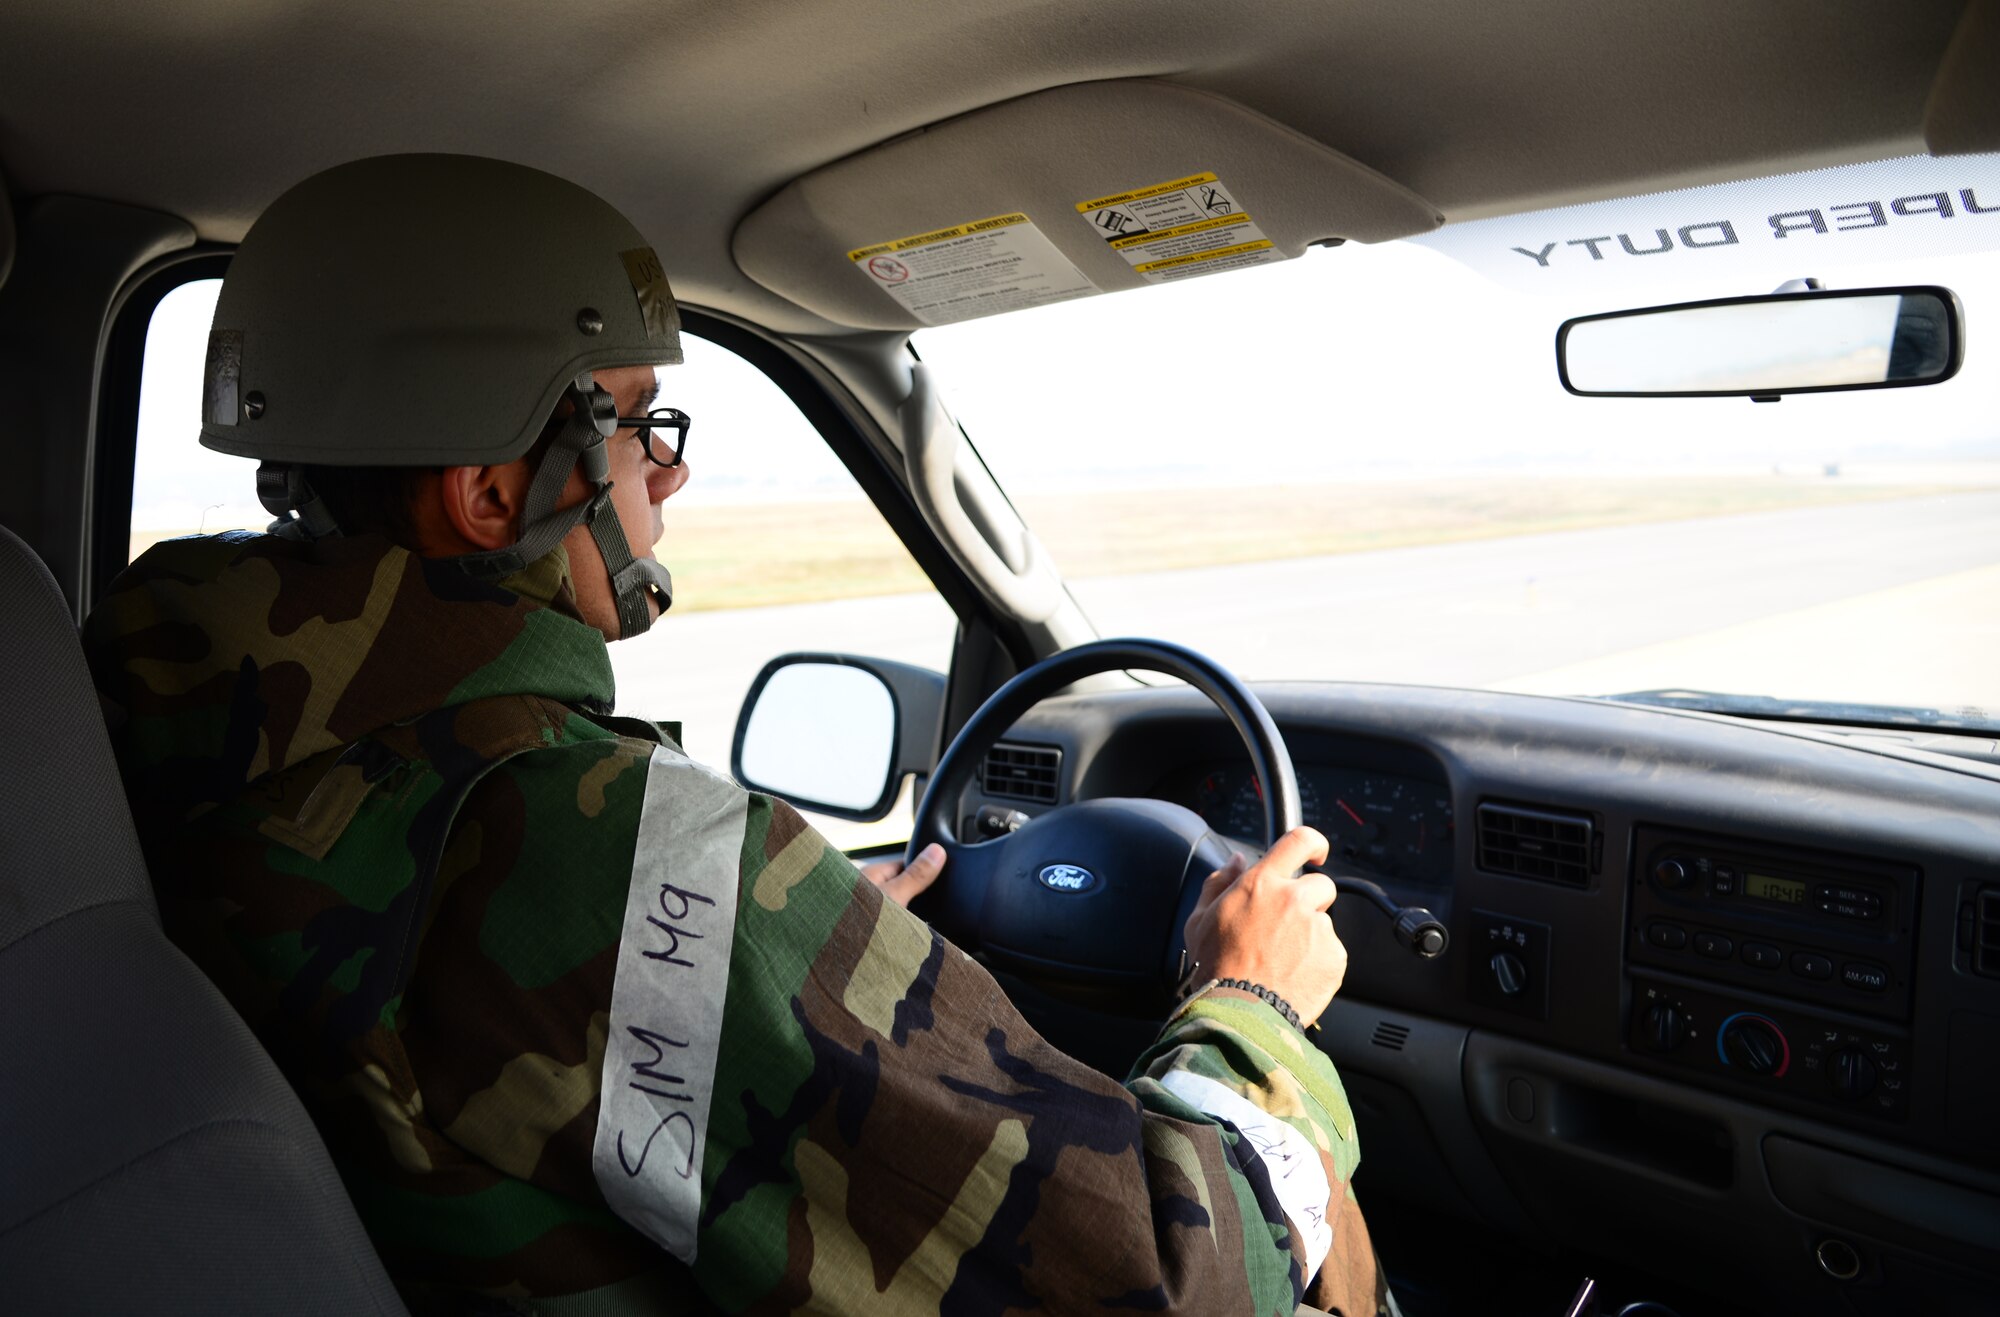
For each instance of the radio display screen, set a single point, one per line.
(1763, 887)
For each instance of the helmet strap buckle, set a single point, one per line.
(595, 401)
(594, 462)
(299, 512)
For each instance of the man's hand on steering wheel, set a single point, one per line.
(899, 882)
(1266, 923)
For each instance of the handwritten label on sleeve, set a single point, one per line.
(1297, 1174)
(667, 999)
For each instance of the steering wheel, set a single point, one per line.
(1099, 890)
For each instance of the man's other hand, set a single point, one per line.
(900, 884)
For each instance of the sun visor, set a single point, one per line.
(1068, 192)
(6, 231)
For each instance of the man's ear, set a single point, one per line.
(482, 504)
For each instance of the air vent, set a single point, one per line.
(1543, 844)
(1986, 932)
(1391, 1036)
(1022, 772)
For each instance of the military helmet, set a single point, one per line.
(424, 310)
(430, 310)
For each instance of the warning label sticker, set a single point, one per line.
(1183, 227)
(1002, 263)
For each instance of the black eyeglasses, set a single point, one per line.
(665, 421)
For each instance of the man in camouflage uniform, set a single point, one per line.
(581, 1019)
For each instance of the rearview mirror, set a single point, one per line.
(836, 733)
(1763, 347)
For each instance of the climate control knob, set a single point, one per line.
(1853, 1074)
(1755, 1044)
(1666, 1027)
(1509, 974)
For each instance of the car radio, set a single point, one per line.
(1834, 931)
(1749, 922)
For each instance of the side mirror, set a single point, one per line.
(836, 733)
(1764, 347)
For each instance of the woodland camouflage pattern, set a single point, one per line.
(389, 812)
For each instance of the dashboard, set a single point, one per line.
(1740, 979)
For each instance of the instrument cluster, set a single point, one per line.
(1387, 824)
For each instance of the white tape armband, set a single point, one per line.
(667, 999)
(1296, 1172)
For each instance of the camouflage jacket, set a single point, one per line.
(582, 1020)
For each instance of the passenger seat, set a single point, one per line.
(152, 1159)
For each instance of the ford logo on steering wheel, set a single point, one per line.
(1067, 878)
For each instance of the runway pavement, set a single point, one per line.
(1895, 602)
(1525, 612)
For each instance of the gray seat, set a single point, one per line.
(152, 1159)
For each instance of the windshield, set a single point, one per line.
(1361, 464)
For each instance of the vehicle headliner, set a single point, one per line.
(688, 115)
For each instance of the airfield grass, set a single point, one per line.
(759, 555)
(752, 556)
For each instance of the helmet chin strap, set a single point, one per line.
(579, 445)
(635, 582)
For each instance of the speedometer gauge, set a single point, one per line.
(1246, 810)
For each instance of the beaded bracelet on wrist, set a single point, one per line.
(1278, 1004)
(1189, 992)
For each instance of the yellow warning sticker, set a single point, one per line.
(1248, 249)
(1146, 193)
(979, 268)
(1183, 227)
(940, 235)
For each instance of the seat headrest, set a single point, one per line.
(66, 836)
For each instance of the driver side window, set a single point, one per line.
(774, 547)
(772, 544)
